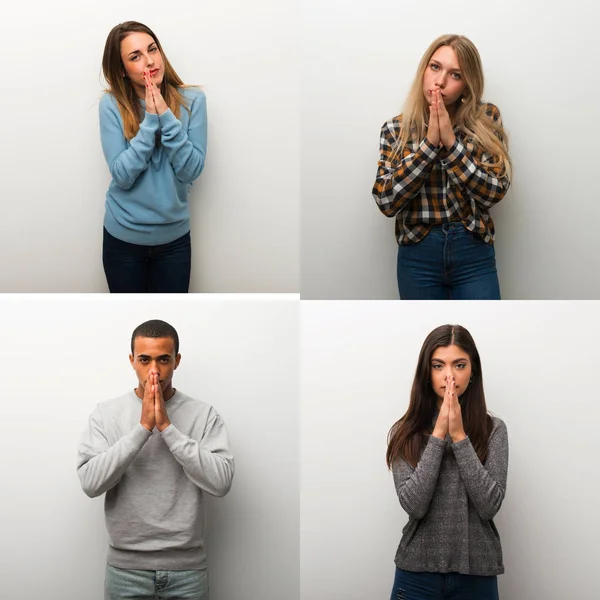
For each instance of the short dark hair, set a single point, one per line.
(155, 329)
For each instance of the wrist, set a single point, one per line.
(459, 438)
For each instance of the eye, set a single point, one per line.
(437, 366)
(434, 66)
(457, 75)
(143, 360)
(165, 360)
(461, 365)
(153, 49)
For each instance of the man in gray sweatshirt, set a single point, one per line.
(155, 452)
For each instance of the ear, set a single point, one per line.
(131, 359)
(177, 359)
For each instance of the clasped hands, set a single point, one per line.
(439, 130)
(154, 411)
(155, 103)
(449, 420)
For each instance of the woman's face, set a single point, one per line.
(140, 53)
(450, 361)
(443, 72)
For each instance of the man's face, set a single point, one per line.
(154, 355)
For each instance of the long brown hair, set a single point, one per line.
(470, 114)
(409, 434)
(122, 89)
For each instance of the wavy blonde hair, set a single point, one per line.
(122, 88)
(470, 116)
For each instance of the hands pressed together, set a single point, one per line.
(449, 420)
(155, 103)
(154, 411)
(439, 131)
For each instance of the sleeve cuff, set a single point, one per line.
(452, 156)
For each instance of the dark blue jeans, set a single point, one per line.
(443, 586)
(131, 268)
(450, 263)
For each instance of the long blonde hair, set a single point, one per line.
(122, 88)
(470, 115)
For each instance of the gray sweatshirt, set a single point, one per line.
(451, 500)
(155, 482)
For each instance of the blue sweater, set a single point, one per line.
(147, 200)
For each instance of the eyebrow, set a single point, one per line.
(454, 361)
(139, 51)
(437, 62)
(148, 356)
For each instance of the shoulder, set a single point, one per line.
(492, 111)
(108, 102)
(195, 406)
(391, 128)
(498, 425)
(193, 94)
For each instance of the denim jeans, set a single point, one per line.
(450, 263)
(132, 268)
(443, 586)
(121, 584)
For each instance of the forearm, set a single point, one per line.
(478, 183)
(127, 161)
(485, 491)
(98, 472)
(415, 487)
(186, 151)
(210, 466)
(397, 184)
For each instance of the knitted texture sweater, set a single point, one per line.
(451, 499)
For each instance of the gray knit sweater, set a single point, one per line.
(155, 482)
(451, 500)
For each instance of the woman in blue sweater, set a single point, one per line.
(153, 133)
(449, 458)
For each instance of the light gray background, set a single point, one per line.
(358, 62)
(540, 370)
(53, 176)
(62, 355)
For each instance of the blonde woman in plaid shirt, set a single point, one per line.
(443, 164)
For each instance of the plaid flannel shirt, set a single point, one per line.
(429, 186)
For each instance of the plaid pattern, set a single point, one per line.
(429, 186)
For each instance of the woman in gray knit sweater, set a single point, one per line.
(449, 459)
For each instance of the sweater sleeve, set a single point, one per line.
(400, 180)
(481, 184)
(126, 160)
(485, 483)
(415, 486)
(207, 462)
(186, 151)
(100, 466)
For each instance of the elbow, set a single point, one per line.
(223, 486)
(387, 208)
(124, 183)
(414, 512)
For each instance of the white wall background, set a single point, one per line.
(358, 62)
(540, 368)
(244, 206)
(62, 355)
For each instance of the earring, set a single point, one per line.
(462, 100)
(471, 380)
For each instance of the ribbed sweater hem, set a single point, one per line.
(158, 560)
(433, 568)
(160, 234)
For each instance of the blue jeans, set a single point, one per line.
(443, 586)
(450, 263)
(121, 584)
(132, 268)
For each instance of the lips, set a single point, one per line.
(154, 72)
